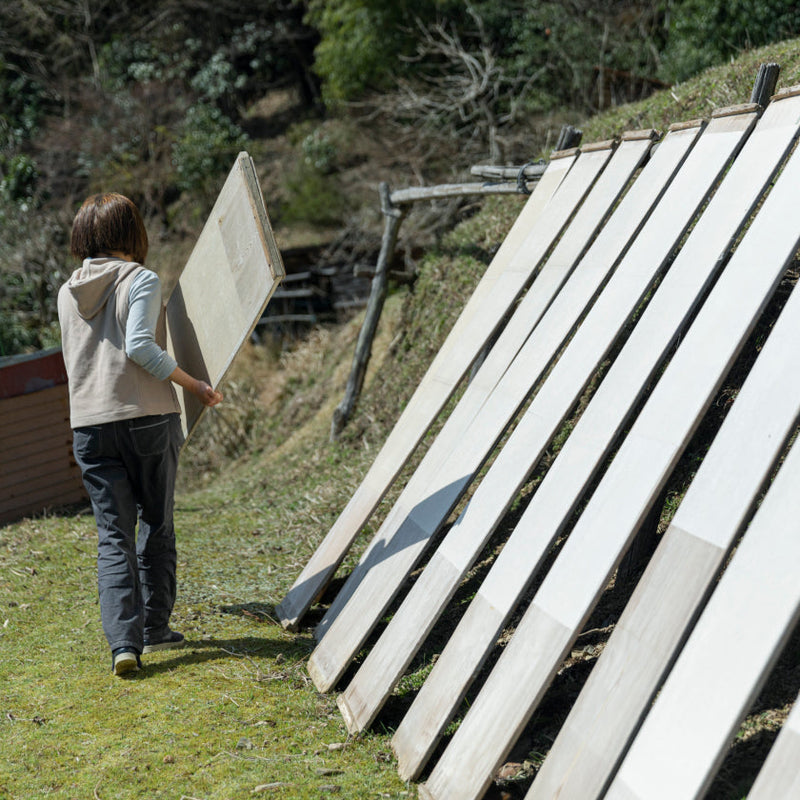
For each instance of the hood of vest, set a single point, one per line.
(96, 281)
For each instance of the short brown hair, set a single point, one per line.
(108, 223)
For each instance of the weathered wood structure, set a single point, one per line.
(666, 284)
(37, 469)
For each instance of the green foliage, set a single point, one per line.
(216, 78)
(26, 319)
(33, 250)
(313, 196)
(18, 179)
(15, 337)
(319, 151)
(553, 48)
(206, 146)
(21, 101)
(361, 42)
(312, 190)
(706, 32)
(567, 44)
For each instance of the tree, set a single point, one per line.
(361, 42)
(706, 32)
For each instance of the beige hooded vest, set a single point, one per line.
(104, 384)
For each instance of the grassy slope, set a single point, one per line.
(235, 714)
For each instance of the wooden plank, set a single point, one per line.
(40, 476)
(28, 419)
(25, 463)
(49, 421)
(51, 429)
(67, 496)
(59, 492)
(534, 228)
(683, 288)
(225, 286)
(32, 449)
(29, 404)
(780, 775)
(40, 492)
(717, 676)
(667, 599)
(622, 499)
(18, 420)
(436, 486)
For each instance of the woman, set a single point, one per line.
(126, 422)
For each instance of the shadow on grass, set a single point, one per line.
(262, 612)
(198, 651)
(206, 650)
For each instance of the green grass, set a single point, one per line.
(234, 714)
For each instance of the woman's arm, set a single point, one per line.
(144, 307)
(200, 389)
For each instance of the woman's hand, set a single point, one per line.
(206, 395)
(200, 389)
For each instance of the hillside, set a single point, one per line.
(235, 715)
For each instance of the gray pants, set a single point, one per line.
(129, 470)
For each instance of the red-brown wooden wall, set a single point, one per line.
(37, 468)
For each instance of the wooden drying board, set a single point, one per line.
(590, 442)
(647, 636)
(225, 286)
(622, 500)
(726, 660)
(383, 667)
(433, 488)
(436, 487)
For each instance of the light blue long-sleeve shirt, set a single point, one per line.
(144, 308)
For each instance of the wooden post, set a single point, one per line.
(568, 137)
(393, 218)
(766, 81)
(394, 206)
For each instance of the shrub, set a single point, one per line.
(207, 144)
(706, 32)
(312, 196)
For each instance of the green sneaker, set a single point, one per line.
(172, 640)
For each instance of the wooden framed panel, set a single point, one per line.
(225, 286)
